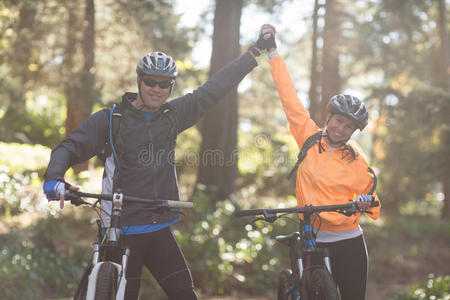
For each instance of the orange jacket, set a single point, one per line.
(322, 178)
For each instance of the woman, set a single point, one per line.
(331, 173)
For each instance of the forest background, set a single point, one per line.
(61, 60)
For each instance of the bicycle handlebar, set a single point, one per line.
(75, 198)
(311, 209)
(300, 209)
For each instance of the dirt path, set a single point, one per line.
(374, 291)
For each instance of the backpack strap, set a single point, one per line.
(113, 137)
(114, 128)
(311, 141)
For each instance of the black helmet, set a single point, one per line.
(351, 107)
(157, 63)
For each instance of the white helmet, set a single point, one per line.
(157, 63)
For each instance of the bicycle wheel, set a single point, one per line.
(106, 282)
(284, 284)
(321, 286)
(80, 293)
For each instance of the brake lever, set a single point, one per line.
(267, 217)
(348, 212)
(164, 207)
(352, 211)
(257, 219)
(177, 211)
(73, 197)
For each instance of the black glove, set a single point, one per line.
(266, 44)
(254, 50)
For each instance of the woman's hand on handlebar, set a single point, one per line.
(363, 201)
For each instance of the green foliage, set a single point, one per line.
(14, 197)
(38, 263)
(396, 43)
(21, 167)
(38, 59)
(405, 249)
(226, 253)
(415, 144)
(20, 158)
(434, 288)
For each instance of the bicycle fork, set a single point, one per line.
(121, 270)
(305, 259)
(113, 240)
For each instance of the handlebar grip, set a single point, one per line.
(250, 212)
(71, 195)
(74, 197)
(180, 204)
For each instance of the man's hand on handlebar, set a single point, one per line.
(55, 190)
(61, 195)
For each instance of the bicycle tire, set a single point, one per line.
(80, 293)
(321, 286)
(106, 286)
(284, 284)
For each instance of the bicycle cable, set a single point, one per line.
(316, 215)
(285, 216)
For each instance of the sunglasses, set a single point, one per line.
(162, 84)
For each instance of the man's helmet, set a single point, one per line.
(157, 63)
(351, 107)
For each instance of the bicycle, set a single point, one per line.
(309, 276)
(105, 276)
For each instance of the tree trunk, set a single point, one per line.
(218, 157)
(88, 91)
(12, 122)
(313, 92)
(443, 32)
(80, 86)
(331, 80)
(73, 115)
(445, 63)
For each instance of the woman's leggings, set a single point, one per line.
(349, 266)
(160, 254)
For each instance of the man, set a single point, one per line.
(140, 162)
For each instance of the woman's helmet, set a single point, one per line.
(157, 63)
(351, 107)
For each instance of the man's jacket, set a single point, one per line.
(146, 147)
(324, 177)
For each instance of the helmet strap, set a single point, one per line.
(140, 95)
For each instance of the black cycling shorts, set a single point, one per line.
(349, 266)
(160, 254)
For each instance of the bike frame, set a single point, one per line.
(110, 247)
(303, 251)
(302, 245)
(113, 237)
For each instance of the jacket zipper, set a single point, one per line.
(316, 175)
